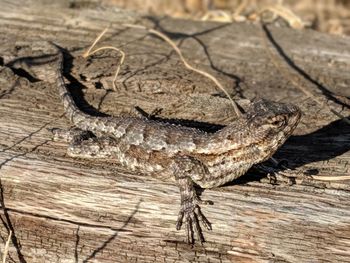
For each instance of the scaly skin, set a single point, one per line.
(186, 155)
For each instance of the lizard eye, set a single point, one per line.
(278, 122)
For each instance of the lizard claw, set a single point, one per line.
(205, 202)
(190, 214)
(278, 178)
(275, 176)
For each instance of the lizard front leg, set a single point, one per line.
(186, 170)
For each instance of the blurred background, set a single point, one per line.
(329, 16)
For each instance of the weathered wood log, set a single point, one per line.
(62, 209)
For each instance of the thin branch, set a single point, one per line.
(6, 249)
(331, 178)
(187, 65)
(89, 53)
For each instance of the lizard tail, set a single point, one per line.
(73, 113)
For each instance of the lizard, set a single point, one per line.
(188, 156)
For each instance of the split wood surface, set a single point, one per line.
(61, 209)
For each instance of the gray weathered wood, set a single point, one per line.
(69, 210)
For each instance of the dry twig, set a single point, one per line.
(89, 53)
(276, 63)
(6, 248)
(279, 10)
(187, 65)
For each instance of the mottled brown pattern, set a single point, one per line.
(213, 159)
(158, 157)
(186, 155)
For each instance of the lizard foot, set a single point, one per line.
(190, 214)
(287, 176)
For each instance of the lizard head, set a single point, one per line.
(271, 123)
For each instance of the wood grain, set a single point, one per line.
(62, 209)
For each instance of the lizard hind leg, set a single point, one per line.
(186, 168)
